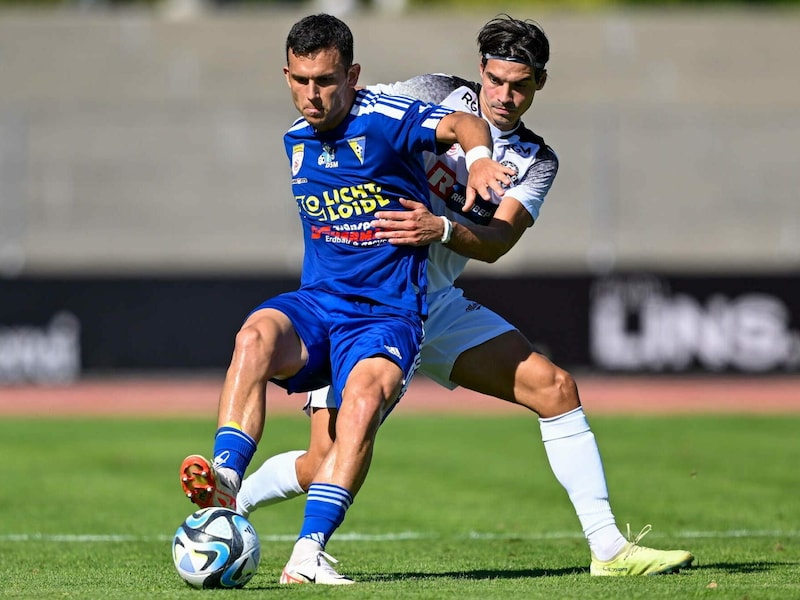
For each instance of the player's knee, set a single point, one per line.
(251, 347)
(564, 392)
(362, 409)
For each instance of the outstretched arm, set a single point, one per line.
(417, 226)
(516, 211)
(473, 134)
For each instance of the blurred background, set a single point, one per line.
(144, 190)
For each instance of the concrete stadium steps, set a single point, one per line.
(132, 142)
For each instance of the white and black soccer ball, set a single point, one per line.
(216, 548)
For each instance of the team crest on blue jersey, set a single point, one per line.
(357, 146)
(328, 157)
(297, 158)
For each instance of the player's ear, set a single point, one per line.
(541, 81)
(286, 74)
(353, 74)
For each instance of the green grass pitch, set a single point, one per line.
(454, 507)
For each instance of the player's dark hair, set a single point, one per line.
(514, 39)
(314, 33)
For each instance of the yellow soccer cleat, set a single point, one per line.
(641, 560)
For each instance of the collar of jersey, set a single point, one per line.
(497, 133)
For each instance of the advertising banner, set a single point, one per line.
(55, 330)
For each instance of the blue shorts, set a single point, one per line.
(340, 332)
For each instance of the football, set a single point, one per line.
(216, 548)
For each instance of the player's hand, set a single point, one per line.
(485, 176)
(416, 226)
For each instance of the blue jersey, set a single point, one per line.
(342, 176)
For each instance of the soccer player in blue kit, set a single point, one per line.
(468, 344)
(355, 323)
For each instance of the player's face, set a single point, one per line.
(322, 89)
(507, 91)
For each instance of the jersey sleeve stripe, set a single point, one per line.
(390, 111)
(431, 123)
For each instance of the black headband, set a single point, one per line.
(522, 61)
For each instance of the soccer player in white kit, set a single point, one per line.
(465, 343)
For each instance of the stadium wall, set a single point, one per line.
(57, 330)
(144, 199)
(142, 142)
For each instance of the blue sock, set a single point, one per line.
(326, 506)
(233, 449)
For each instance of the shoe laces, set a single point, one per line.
(635, 540)
(327, 562)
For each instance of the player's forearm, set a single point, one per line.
(467, 130)
(484, 243)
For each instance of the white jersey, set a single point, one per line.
(535, 164)
(455, 324)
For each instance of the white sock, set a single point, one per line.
(575, 461)
(274, 481)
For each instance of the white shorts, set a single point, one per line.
(454, 325)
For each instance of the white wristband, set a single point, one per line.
(475, 153)
(448, 229)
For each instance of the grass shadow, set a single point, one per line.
(739, 567)
(476, 575)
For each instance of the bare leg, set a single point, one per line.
(323, 432)
(371, 389)
(289, 474)
(266, 347)
(519, 375)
